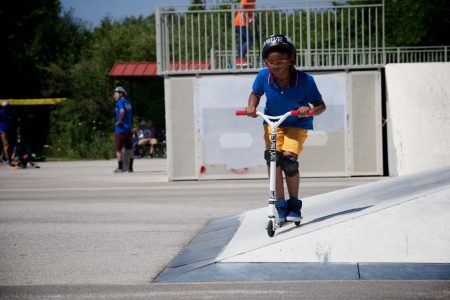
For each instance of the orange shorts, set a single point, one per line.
(289, 139)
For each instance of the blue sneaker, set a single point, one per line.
(282, 209)
(294, 206)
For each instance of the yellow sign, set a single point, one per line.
(40, 101)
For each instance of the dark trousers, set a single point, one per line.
(242, 43)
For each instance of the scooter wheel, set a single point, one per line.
(297, 224)
(270, 230)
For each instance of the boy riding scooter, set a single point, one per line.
(286, 89)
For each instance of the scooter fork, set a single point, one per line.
(274, 122)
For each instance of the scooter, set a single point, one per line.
(274, 122)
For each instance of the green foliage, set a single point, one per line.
(148, 100)
(197, 5)
(33, 37)
(75, 133)
(91, 104)
(417, 22)
(47, 52)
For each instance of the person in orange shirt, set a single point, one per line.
(243, 19)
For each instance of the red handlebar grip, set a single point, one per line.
(295, 112)
(241, 112)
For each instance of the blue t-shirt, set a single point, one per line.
(8, 120)
(3, 121)
(127, 121)
(301, 91)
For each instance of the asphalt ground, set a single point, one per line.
(76, 230)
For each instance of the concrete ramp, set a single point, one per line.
(393, 229)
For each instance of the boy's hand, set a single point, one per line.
(303, 111)
(251, 111)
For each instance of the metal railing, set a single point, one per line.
(204, 39)
(417, 54)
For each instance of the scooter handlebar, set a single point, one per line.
(243, 112)
(295, 112)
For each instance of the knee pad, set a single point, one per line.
(289, 165)
(278, 157)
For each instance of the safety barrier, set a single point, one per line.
(340, 34)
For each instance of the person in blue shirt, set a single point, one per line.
(4, 133)
(286, 89)
(123, 136)
(9, 123)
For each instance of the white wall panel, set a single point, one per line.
(226, 146)
(418, 107)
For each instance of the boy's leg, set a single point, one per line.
(290, 167)
(279, 186)
(130, 152)
(244, 42)
(250, 38)
(239, 42)
(152, 143)
(131, 160)
(292, 147)
(5, 143)
(293, 183)
(142, 144)
(294, 138)
(118, 144)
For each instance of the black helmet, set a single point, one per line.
(278, 41)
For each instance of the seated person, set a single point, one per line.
(21, 155)
(147, 136)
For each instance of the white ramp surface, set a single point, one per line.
(398, 226)
(405, 219)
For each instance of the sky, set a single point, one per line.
(93, 11)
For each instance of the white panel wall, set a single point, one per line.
(213, 143)
(418, 112)
(365, 132)
(182, 147)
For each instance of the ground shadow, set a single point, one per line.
(321, 219)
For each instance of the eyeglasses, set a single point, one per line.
(276, 64)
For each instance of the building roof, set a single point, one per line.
(189, 65)
(133, 69)
(149, 69)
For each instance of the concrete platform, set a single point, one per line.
(392, 229)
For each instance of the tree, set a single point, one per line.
(197, 5)
(33, 37)
(88, 134)
(417, 22)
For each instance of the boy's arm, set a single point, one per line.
(121, 114)
(253, 101)
(318, 107)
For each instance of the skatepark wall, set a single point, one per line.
(205, 140)
(418, 116)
